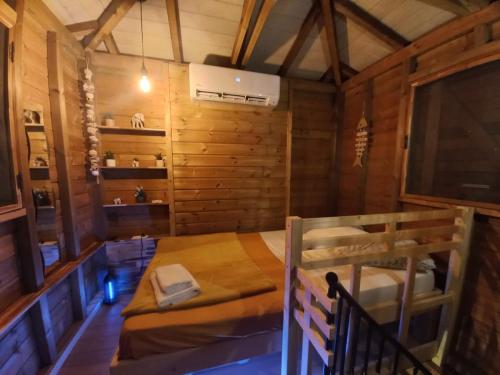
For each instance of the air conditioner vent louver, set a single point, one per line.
(233, 86)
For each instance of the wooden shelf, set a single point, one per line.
(37, 168)
(37, 127)
(135, 168)
(137, 131)
(134, 205)
(47, 208)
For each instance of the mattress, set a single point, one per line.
(170, 331)
(377, 284)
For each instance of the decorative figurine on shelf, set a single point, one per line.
(32, 117)
(140, 194)
(40, 162)
(159, 162)
(135, 163)
(109, 121)
(117, 200)
(110, 159)
(41, 197)
(137, 121)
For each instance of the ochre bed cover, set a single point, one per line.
(165, 332)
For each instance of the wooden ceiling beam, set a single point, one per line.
(111, 45)
(107, 21)
(79, 27)
(452, 6)
(474, 5)
(309, 22)
(267, 5)
(346, 70)
(331, 35)
(364, 19)
(175, 29)
(8, 15)
(246, 16)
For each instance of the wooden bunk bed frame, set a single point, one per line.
(300, 301)
(308, 310)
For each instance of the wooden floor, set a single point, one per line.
(93, 352)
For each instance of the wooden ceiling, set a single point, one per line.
(328, 40)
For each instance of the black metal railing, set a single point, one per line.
(348, 320)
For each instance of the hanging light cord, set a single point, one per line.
(142, 37)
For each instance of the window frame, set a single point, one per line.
(416, 80)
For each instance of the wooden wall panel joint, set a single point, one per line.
(62, 143)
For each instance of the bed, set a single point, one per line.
(167, 342)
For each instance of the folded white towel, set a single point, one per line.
(164, 300)
(174, 278)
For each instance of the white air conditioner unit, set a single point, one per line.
(218, 84)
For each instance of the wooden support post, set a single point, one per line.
(454, 282)
(27, 237)
(291, 331)
(40, 317)
(363, 177)
(78, 296)
(406, 304)
(289, 142)
(305, 361)
(61, 143)
(169, 159)
(337, 148)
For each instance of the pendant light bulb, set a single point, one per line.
(144, 83)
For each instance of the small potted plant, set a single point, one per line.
(140, 194)
(110, 159)
(159, 162)
(109, 121)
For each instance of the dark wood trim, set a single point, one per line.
(78, 296)
(492, 210)
(27, 237)
(363, 176)
(337, 149)
(61, 143)
(110, 43)
(345, 70)
(12, 215)
(442, 34)
(331, 34)
(371, 24)
(107, 21)
(407, 68)
(305, 30)
(87, 26)
(175, 29)
(42, 328)
(11, 316)
(447, 5)
(267, 5)
(246, 16)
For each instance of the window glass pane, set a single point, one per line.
(455, 137)
(7, 190)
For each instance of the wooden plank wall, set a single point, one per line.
(312, 164)
(228, 160)
(18, 350)
(117, 92)
(10, 278)
(475, 344)
(61, 310)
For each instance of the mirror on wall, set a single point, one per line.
(44, 184)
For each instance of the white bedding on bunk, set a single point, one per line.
(377, 284)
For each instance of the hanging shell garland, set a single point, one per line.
(361, 142)
(90, 121)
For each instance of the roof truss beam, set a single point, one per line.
(331, 35)
(308, 24)
(364, 19)
(80, 27)
(110, 44)
(267, 5)
(246, 16)
(107, 21)
(175, 29)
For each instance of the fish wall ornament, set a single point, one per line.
(360, 141)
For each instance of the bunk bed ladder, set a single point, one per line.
(347, 321)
